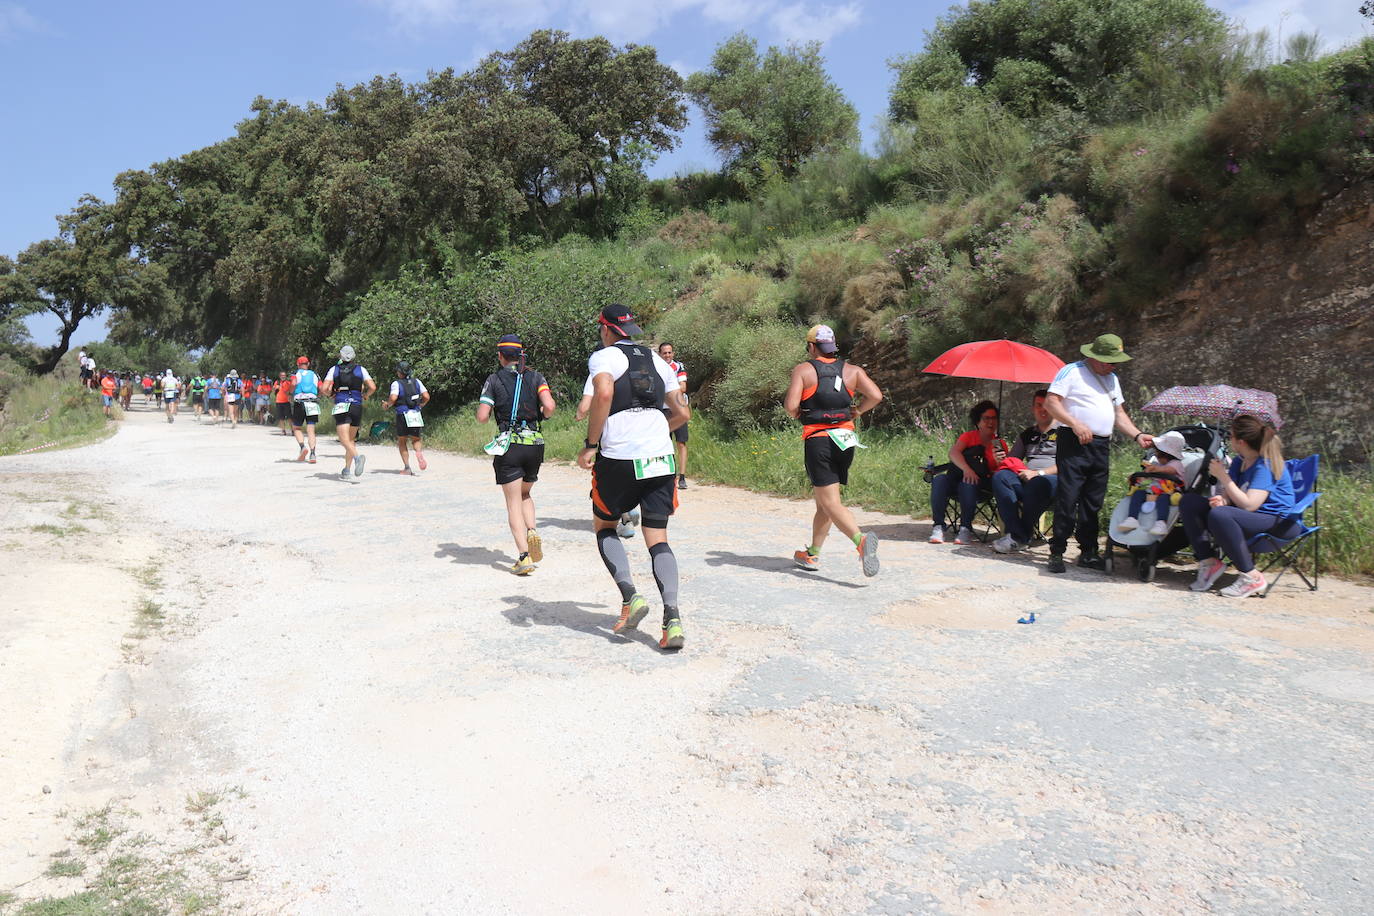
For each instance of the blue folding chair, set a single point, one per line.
(1286, 550)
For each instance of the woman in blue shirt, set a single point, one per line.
(1255, 495)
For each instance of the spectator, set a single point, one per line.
(1255, 496)
(1026, 484)
(975, 456)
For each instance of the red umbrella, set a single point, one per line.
(1001, 360)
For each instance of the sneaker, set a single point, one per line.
(937, 534)
(868, 554)
(311, 459)
(1159, 528)
(407, 472)
(1056, 563)
(681, 481)
(1246, 584)
(1092, 560)
(672, 637)
(424, 465)
(631, 613)
(358, 463)
(345, 475)
(523, 566)
(626, 527)
(1008, 544)
(1128, 524)
(1208, 572)
(536, 546)
(804, 559)
(965, 536)
(304, 453)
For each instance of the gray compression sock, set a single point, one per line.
(617, 561)
(665, 572)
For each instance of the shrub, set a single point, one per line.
(733, 294)
(821, 275)
(961, 143)
(691, 229)
(758, 362)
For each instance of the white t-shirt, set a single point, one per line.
(169, 386)
(637, 432)
(1089, 397)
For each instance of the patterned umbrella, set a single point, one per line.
(1217, 402)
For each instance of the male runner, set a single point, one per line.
(147, 389)
(281, 403)
(171, 393)
(350, 385)
(233, 396)
(629, 451)
(305, 407)
(518, 469)
(628, 520)
(197, 385)
(821, 394)
(214, 397)
(407, 397)
(665, 350)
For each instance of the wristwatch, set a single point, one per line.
(1040, 473)
(587, 443)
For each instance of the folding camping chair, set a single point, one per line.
(1287, 550)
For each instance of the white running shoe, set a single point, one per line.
(937, 534)
(1006, 544)
(358, 463)
(1246, 584)
(1128, 524)
(628, 522)
(1159, 528)
(965, 536)
(1208, 572)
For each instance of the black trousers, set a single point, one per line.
(1083, 471)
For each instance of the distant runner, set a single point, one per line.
(233, 397)
(821, 394)
(197, 386)
(665, 350)
(305, 407)
(147, 389)
(629, 451)
(214, 397)
(171, 394)
(281, 403)
(350, 385)
(518, 449)
(408, 396)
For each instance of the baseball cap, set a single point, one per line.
(346, 353)
(823, 336)
(302, 361)
(619, 318)
(403, 367)
(510, 342)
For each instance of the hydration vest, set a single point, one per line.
(527, 414)
(307, 382)
(198, 385)
(409, 397)
(829, 404)
(347, 378)
(641, 387)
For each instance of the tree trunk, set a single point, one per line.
(54, 355)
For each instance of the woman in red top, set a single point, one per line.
(974, 458)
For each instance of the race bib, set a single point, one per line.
(312, 408)
(231, 398)
(646, 468)
(341, 408)
(844, 438)
(413, 419)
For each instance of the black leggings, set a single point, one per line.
(1231, 529)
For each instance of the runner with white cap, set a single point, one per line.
(349, 384)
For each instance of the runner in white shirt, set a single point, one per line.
(171, 392)
(629, 451)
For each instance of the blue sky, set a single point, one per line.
(95, 88)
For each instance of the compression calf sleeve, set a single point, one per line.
(665, 572)
(617, 561)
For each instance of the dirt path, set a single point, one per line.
(383, 720)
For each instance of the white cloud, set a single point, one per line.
(1338, 23)
(799, 23)
(15, 20)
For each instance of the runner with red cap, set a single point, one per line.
(305, 407)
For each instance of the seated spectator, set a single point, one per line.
(1161, 475)
(1255, 495)
(974, 457)
(1025, 486)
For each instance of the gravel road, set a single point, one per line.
(415, 730)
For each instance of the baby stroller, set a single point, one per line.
(1202, 444)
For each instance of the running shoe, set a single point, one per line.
(1007, 544)
(672, 637)
(1246, 584)
(523, 566)
(868, 553)
(628, 521)
(358, 463)
(937, 534)
(311, 459)
(682, 481)
(631, 613)
(536, 545)
(345, 475)
(424, 465)
(1092, 560)
(305, 453)
(407, 472)
(806, 560)
(1208, 572)
(965, 536)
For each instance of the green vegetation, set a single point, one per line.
(42, 409)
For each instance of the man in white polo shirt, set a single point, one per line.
(1086, 397)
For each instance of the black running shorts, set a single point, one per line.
(615, 491)
(298, 417)
(826, 462)
(680, 434)
(352, 417)
(521, 462)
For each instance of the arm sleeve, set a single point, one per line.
(395, 389)
(1062, 380)
(540, 383)
(329, 376)
(423, 389)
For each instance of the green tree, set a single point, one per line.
(768, 114)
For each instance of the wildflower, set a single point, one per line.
(1142, 151)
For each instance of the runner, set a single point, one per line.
(350, 385)
(171, 394)
(629, 521)
(665, 350)
(214, 397)
(108, 389)
(157, 389)
(519, 399)
(197, 386)
(147, 389)
(408, 396)
(629, 450)
(820, 395)
(281, 403)
(305, 409)
(233, 394)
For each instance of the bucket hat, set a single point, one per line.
(1106, 348)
